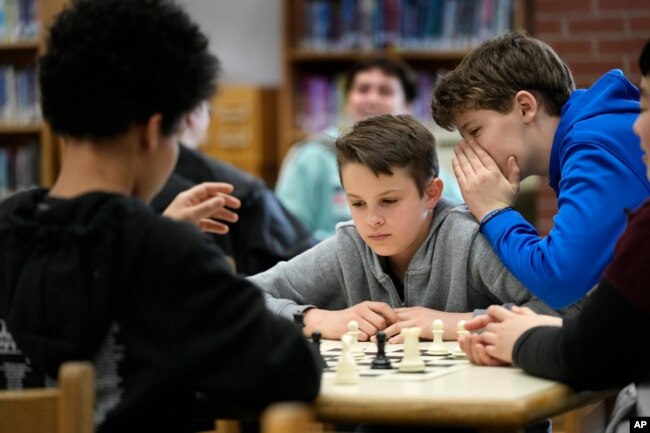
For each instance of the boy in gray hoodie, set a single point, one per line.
(407, 257)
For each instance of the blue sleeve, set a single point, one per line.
(296, 186)
(594, 192)
(451, 190)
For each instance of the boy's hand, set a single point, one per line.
(203, 202)
(371, 316)
(504, 329)
(475, 351)
(483, 185)
(423, 318)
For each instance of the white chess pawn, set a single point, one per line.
(460, 330)
(437, 348)
(411, 362)
(346, 368)
(353, 331)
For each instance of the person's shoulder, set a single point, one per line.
(215, 170)
(454, 224)
(448, 212)
(311, 149)
(18, 199)
(316, 145)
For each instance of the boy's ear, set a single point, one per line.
(433, 192)
(526, 105)
(151, 132)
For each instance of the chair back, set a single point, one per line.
(68, 408)
(289, 418)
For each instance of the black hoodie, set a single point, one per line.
(150, 301)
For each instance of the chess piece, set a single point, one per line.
(412, 362)
(315, 338)
(437, 348)
(381, 362)
(346, 368)
(353, 331)
(460, 330)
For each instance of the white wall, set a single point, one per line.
(245, 35)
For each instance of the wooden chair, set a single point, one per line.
(65, 409)
(289, 418)
(227, 426)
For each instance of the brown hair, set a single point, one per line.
(383, 142)
(392, 67)
(490, 76)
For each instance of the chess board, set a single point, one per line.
(435, 366)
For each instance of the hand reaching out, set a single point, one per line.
(371, 316)
(423, 318)
(483, 185)
(204, 203)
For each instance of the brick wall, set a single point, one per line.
(592, 36)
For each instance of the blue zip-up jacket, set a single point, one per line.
(597, 173)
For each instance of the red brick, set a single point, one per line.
(596, 25)
(634, 76)
(640, 24)
(626, 5)
(544, 27)
(584, 81)
(568, 46)
(562, 6)
(623, 45)
(595, 66)
(546, 208)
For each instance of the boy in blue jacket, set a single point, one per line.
(515, 104)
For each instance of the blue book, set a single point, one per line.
(3, 21)
(349, 25)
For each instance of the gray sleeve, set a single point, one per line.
(311, 279)
(489, 278)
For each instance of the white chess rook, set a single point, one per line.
(412, 362)
(437, 348)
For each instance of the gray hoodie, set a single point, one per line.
(455, 270)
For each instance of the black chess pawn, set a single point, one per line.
(381, 362)
(315, 338)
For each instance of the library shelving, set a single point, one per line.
(322, 38)
(29, 153)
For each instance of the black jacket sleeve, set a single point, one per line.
(604, 346)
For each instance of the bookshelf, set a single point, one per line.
(29, 153)
(322, 38)
(243, 130)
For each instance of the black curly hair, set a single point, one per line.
(112, 64)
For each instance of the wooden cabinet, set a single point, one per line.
(29, 154)
(322, 38)
(243, 130)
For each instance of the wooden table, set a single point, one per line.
(492, 399)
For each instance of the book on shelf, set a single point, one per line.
(19, 96)
(18, 20)
(19, 168)
(402, 25)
